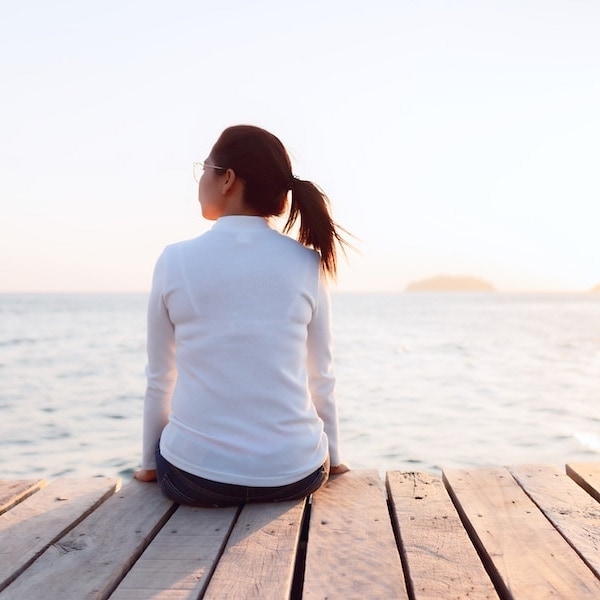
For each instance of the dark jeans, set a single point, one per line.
(184, 488)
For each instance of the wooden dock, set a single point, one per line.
(524, 532)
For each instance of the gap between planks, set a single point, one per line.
(522, 550)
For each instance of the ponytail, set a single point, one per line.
(316, 228)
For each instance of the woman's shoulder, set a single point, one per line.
(186, 244)
(290, 249)
(280, 245)
(295, 246)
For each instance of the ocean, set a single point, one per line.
(425, 381)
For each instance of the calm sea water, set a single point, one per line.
(425, 381)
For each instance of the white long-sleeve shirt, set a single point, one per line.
(240, 381)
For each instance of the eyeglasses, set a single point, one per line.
(198, 168)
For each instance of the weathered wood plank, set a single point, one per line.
(31, 526)
(132, 594)
(440, 560)
(259, 558)
(13, 492)
(525, 555)
(587, 475)
(180, 559)
(94, 556)
(351, 549)
(568, 507)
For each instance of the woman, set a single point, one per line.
(240, 404)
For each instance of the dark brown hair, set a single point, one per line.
(261, 160)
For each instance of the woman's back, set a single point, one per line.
(242, 298)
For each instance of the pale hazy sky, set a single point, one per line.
(452, 137)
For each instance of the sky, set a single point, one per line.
(452, 137)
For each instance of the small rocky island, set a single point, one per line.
(451, 283)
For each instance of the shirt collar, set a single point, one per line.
(240, 223)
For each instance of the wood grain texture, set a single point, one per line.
(93, 557)
(31, 526)
(587, 475)
(536, 530)
(351, 549)
(525, 555)
(567, 506)
(13, 492)
(438, 554)
(259, 558)
(180, 559)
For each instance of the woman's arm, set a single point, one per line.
(321, 378)
(161, 372)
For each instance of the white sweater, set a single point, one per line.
(240, 380)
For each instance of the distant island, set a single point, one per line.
(451, 283)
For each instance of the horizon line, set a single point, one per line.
(592, 290)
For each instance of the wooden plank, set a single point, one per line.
(568, 507)
(93, 557)
(13, 492)
(587, 475)
(439, 559)
(259, 559)
(31, 526)
(181, 558)
(524, 554)
(351, 549)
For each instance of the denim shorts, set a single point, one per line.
(184, 488)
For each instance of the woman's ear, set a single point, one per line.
(229, 179)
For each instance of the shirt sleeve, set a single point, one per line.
(161, 373)
(321, 378)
